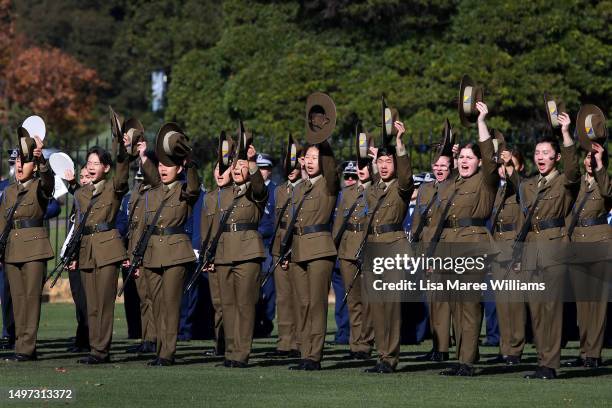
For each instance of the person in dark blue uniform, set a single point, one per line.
(265, 311)
(415, 315)
(189, 321)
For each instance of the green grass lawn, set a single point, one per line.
(198, 381)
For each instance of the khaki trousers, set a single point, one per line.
(387, 318)
(547, 316)
(286, 310)
(511, 315)
(147, 322)
(239, 284)
(362, 327)
(215, 296)
(100, 292)
(26, 281)
(310, 283)
(592, 314)
(165, 286)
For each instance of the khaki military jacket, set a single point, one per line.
(284, 194)
(174, 249)
(28, 244)
(102, 248)
(351, 240)
(239, 246)
(395, 196)
(317, 208)
(474, 199)
(559, 194)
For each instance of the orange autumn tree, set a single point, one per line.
(45, 81)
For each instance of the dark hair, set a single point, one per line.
(103, 155)
(554, 142)
(520, 157)
(388, 150)
(473, 147)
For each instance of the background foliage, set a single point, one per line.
(259, 60)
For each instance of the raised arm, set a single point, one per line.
(328, 168)
(601, 173)
(259, 191)
(404, 166)
(191, 189)
(122, 170)
(569, 156)
(489, 166)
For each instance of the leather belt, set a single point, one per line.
(382, 229)
(93, 229)
(179, 229)
(28, 223)
(311, 229)
(499, 227)
(547, 224)
(464, 222)
(589, 222)
(244, 226)
(355, 227)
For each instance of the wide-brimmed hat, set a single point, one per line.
(293, 152)
(225, 152)
(320, 117)
(363, 141)
(172, 145)
(25, 145)
(135, 133)
(469, 94)
(116, 124)
(553, 108)
(499, 145)
(243, 140)
(445, 146)
(387, 119)
(591, 127)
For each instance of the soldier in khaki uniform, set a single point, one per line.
(589, 216)
(136, 227)
(313, 251)
(350, 222)
(239, 253)
(467, 201)
(286, 306)
(505, 220)
(424, 215)
(133, 133)
(555, 194)
(209, 224)
(102, 249)
(28, 247)
(390, 198)
(169, 249)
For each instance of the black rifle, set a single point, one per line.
(359, 253)
(141, 246)
(207, 252)
(278, 221)
(421, 225)
(285, 247)
(9, 225)
(522, 235)
(73, 247)
(346, 219)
